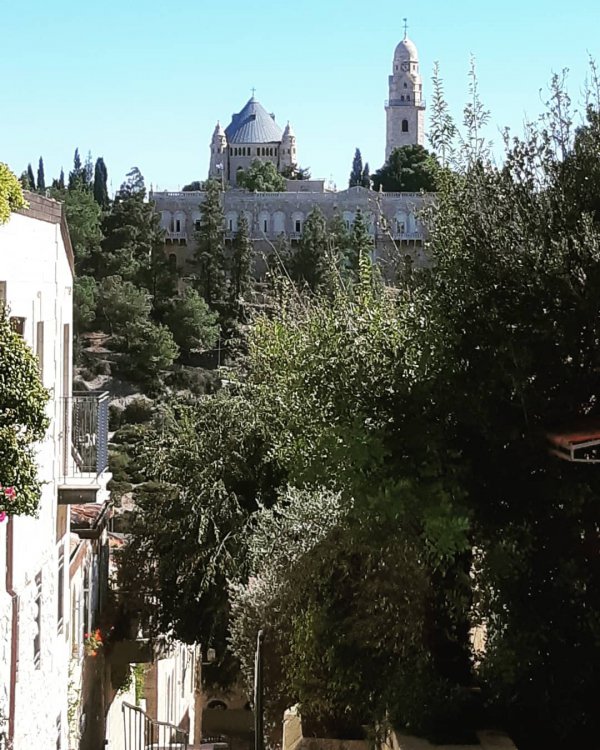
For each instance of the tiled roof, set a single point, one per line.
(253, 125)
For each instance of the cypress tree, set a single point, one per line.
(76, 174)
(361, 242)
(88, 171)
(366, 177)
(356, 174)
(209, 255)
(30, 178)
(101, 183)
(242, 260)
(308, 264)
(61, 179)
(41, 180)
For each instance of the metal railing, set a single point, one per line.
(144, 733)
(89, 431)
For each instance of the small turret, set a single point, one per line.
(218, 152)
(289, 155)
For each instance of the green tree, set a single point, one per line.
(123, 308)
(294, 172)
(209, 262)
(361, 243)
(409, 169)
(310, 258)
(88, 172)
(365, 180)
(151, 349)
(133, 244)
(241, 261)
(193, 325)
(11, 193)
(261, 177)
(194, 186)
(30, 178)
(76, 175)
(41, 180)
(356, 174)
(101, 184)
(23, 420)
(84, 218)
(85, 300)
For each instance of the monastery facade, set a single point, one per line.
(254, 133)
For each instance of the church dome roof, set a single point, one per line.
(253, 125)
(406, 50)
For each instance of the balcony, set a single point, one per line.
(399, 103)
(85, 457)
(179, 237)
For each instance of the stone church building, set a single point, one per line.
(253, 133)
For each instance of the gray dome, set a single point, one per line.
(253, 125)
(406, 50)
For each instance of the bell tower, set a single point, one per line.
(405, 109)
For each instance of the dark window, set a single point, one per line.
(37, 619)
(197, 224)
(18, 325)
(265, 225)
(408, 97)
(298, 226)
(402, 98)
(178, 225)
(405, 126)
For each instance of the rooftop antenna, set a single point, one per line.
(405, 27)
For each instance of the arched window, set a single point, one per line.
(405, 126)
(402, 98)
(408, 97)
(278, 222)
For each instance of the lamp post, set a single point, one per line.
(258, 693)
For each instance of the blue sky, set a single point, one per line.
(143, 83)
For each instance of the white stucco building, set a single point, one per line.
(36, 279)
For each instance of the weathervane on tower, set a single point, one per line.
(405, 27)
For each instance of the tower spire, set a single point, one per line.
(405, 27)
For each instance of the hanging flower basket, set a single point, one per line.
(93, 642)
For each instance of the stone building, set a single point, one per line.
(254, 134)
(405, 109)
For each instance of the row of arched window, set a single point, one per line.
(279, 222)
(247, 151)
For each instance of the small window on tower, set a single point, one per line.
(402, 98)
(408, 97)
(405, 126)
(405, 85)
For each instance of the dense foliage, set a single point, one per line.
(11, 193)
(261, 177)
(409, 169)
(23, 421)
(392, 442)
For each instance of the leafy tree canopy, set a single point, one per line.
(23, 420)
(261, 177)
(11, 193)
(409, 169)
(193, 324)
